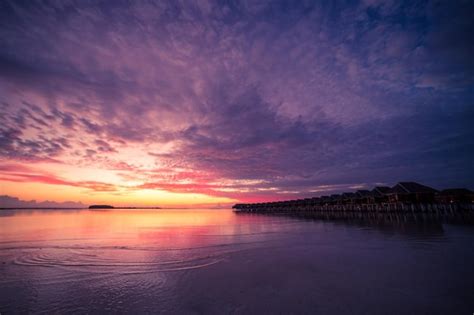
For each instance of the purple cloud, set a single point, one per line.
(295, 95)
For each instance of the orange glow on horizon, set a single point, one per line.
(144, 197)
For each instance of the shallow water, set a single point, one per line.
(218, 262)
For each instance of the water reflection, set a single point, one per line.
(420, 223)
(131, 241)
(212, 261)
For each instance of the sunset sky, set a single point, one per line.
(210, 103)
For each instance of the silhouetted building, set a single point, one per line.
(325, 200)
(411, 192)
(335, 199)
(380, 194)
(455, 195)
(363, 196)
(381, 198)
(349, 198)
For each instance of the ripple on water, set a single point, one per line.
(125, 259)
(86, 262)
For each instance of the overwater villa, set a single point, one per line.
(404, 196)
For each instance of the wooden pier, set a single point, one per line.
(384, 207)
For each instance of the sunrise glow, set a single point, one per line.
(195, 105)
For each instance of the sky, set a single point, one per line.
(209, 103)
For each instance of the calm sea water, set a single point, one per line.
(218, 262)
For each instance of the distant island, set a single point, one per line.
(112, 207)
(101, 207)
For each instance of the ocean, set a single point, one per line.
(221, 262)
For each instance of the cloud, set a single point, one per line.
(13, 202)
(295, 95)
(22, 174)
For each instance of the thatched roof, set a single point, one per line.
(381, 190)
(363, 193)
(410, 188)
(348, 195)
